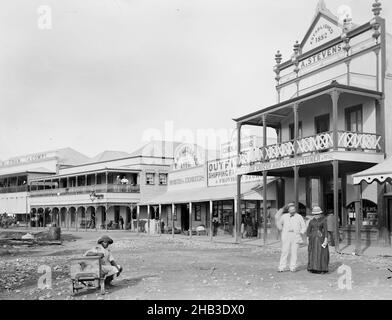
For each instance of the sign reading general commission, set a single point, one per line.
(223, 172)
(281, 164)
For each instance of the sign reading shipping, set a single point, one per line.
(322, 55)
(223, 172)
(281, 164)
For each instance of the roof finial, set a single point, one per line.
(377, 8)
(321, 5)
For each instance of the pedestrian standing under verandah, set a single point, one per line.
(331, 225)
(121, 220)
(318, 252)
(292, 226)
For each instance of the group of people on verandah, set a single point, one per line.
(293, 230)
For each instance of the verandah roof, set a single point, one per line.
(249, 191)
(380, 173)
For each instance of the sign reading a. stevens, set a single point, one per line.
(322, 55)
(223, 172)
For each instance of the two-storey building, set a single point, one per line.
(16, 174)
(201, 190)
(97, 193)
(332, 120)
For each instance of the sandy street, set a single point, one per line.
(160, 267)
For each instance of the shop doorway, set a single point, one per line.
(328, 189)
(116, 214)
(184, 217)
(389, 214)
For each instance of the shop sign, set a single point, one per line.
(281, 164)
(323, 55)
(187, 156)
(26, 159)
(186, 180)
(229, 149)
(223, 172)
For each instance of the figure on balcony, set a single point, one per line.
(124, 180)
(121, 220)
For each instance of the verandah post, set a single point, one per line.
(358, 219)
(190, 220)
(335, 165)
(237, 203)
(173, 210)
(211, 215)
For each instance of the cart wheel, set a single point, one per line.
(73, 290)
(102, 285)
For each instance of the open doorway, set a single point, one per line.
(184, 217)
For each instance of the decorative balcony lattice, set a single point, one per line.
(365, 141)
(279, 151)
(323, 141)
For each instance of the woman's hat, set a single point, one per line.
(105, 239)
(316, 211)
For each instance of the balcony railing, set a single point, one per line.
(347, 141)
(14, 189)
(106, 188)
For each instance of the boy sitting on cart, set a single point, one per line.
(108, 265)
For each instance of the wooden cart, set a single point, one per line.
(86, 273)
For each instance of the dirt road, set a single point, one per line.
(166, 268)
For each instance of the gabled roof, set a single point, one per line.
(321, 11)
(157, 149)
(69, 156)
(109, 155)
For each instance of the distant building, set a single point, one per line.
(201, 190)
(73, 191)
(17, 173)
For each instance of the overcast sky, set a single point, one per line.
(110, 69)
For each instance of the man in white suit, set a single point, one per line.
(292, 226)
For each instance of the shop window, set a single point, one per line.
(163, 179)
(150, 178)
(370, 217)
(198, 213)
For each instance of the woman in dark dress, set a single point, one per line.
(318, 252)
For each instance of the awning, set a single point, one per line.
(380, 173)
(249, 191)
(19, 172)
